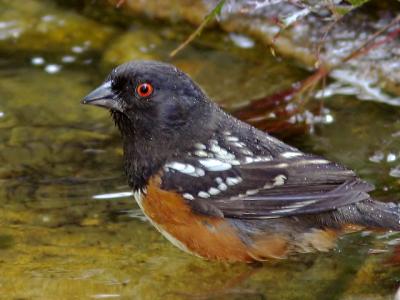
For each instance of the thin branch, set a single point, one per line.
(119, 3)
(365, 47)
(207, 19)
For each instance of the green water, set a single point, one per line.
(63, 235)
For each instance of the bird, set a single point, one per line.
(220, 189)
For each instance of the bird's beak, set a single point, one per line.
(103, 96)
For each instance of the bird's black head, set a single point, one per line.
(159, 110)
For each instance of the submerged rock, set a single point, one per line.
(133, 45)
(40, 26)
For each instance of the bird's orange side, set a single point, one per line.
(208, 237)
(215, 237)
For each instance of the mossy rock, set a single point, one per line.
(40, 26)
(133, 45)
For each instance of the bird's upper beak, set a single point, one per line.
(103, 96)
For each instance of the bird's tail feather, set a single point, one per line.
(372, 214)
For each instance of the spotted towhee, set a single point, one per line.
(219, 188)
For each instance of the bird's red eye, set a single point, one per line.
(144, 90)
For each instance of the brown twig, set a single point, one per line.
(120, 3)
(364, 48)
(323, 40)
(216, 10)
(117, 3)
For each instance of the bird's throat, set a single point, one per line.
(140, 162)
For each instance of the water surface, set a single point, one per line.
(68, 227)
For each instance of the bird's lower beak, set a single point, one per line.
(103, 96)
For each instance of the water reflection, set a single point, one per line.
(113, 195)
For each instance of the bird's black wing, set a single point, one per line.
(305, 186)
(257, 187)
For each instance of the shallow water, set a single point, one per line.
(67, 228)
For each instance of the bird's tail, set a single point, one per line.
(372, 214)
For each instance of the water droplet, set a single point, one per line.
(241, 40)
(395, 172)
(52, 68)
(48, 18)
(391, 157)
(37, 61)
(329, 119)
(68, 59)
(377, 157)
(77, 49)
(105, 296)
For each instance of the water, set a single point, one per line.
(68, 226)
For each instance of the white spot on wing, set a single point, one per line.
(267, 186)
(262, 158)
(290, 154)
(279, 211)
(239, 144)
(298, 205)
(218, 180)
(215, 148)
(213, 142)
(201, 153)
(247, 152)
(248, 160)
(282, 165)
(222, 187)
(228, 156)
(213, 191)
(312, 162)
(189, 169)
(188, 196)
(279, 180)
(200, 172)
(232, 139)
(285, 209)
(252, 192)
(185, 169)
(202, 194)
(215, 164)
(176, 166)
(233, 180)
(200, 146)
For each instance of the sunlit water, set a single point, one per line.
(69, 228)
